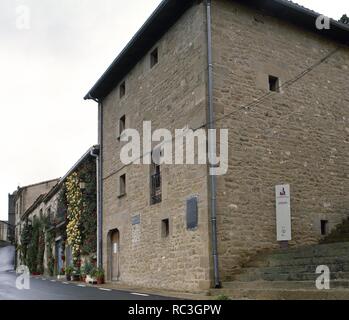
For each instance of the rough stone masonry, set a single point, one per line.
(298, 136)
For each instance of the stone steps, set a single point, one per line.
(281, 285)
(318, 250)
(298, 269)
(298, 262)
(281, 294)
(291, 274)
(288, 276)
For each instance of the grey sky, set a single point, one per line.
(46, 70)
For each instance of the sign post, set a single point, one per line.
(283, 213)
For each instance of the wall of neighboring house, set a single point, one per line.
(172, 95)
(46, 208)
(299, 136)
(3, 231)
(25, 197)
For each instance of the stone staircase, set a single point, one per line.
(291, 274)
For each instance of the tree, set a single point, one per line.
(344, 19)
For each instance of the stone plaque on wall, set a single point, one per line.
(136, 219)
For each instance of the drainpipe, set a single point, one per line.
(96, 154)
(100, 185)
(211, 149)
(99, 169)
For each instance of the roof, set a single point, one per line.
(57, 187)
(169, 11)
(47, 196)
(34, 185)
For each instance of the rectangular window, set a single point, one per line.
(122, 125)
(154, 57)
(155, 183)
(165, 228)
(122, 89)
(192, 213)
(324, 226)
(122, 185)
(274, 84)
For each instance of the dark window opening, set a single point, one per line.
(122, 89)
(165, 228)
(192, 213)
(274, 84)
(324, 226)
(154, 57)
(155, 181)
(122, 185)
(122, 125)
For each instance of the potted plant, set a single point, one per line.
(99, 274)
(68, 272)
(61, 274)
(86, 270)
(83, 273)
(76, 274)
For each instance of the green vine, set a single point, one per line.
(75, 209)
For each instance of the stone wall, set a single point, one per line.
(299, 136)
(172, 95)
(3, 231)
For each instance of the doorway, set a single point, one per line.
(115, 255)
(59, 252)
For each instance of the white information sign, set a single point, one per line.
(283, 212)
(115, 247)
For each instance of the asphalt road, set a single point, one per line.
(46, 289)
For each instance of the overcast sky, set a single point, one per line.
(47, 64)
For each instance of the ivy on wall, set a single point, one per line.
(77, 206)
(75, 209)
(50, 255)
(33, 245)
(87, 174)
(26, 236)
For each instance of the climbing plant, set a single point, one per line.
(75, 209)
(36, 247)
(26, 236)
(80, 197)
(87, 174)
(50, 255)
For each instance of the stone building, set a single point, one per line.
(277, 83)
(23, 198)
(4, 229)
(50, 204)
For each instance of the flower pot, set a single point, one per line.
(100, 280)
(90, 280)
(76, 277)
(68, 277)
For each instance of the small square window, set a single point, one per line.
(122, 89)
(324, 227)
(122, 125)
(122, 185)
(274, 84)
(165, 228)
(154, 57)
